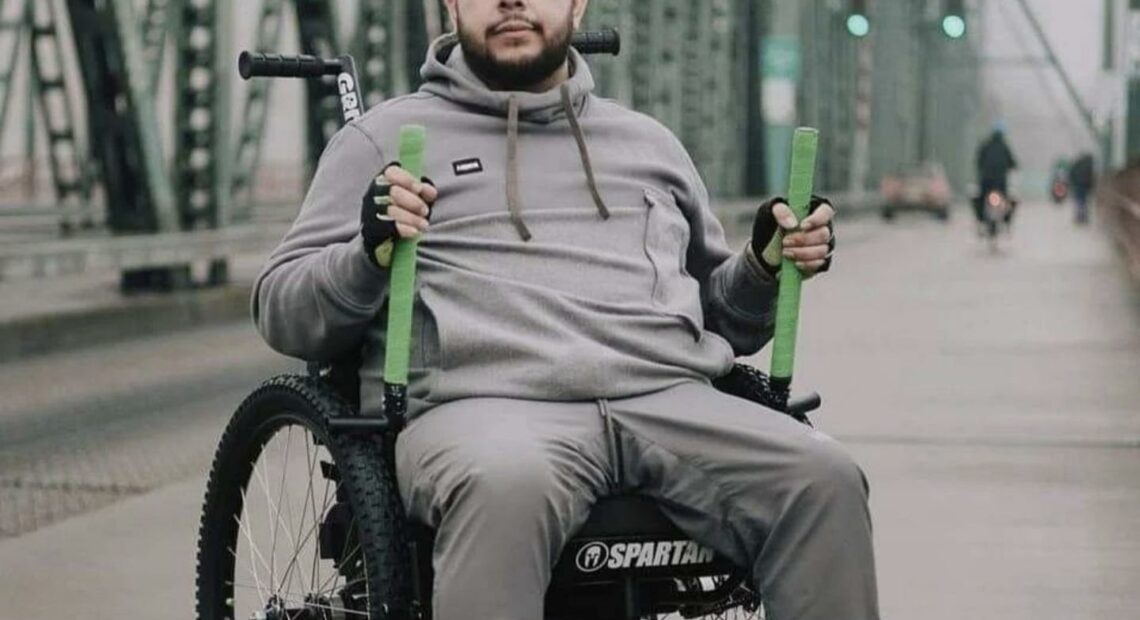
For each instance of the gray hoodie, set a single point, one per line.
(572, 253)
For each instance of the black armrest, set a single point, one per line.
(746, 382)
(342, 375)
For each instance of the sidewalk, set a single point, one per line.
(43, 315)
(133, 559)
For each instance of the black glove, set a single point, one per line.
(767, 235)
(376, 227)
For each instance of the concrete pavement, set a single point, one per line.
(994, 401)
(132, 559)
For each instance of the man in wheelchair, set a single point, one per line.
(576, 297)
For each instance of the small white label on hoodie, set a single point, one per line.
(467, 166)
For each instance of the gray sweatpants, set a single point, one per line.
(506, 483)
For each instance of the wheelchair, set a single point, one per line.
(303, 519)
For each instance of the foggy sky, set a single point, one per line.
(1043, 123)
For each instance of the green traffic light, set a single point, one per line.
(954, 26)
(858, 25)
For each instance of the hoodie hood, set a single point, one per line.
(447, 74)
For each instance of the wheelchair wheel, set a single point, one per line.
(737, 603)
(299, 524)
(740, 604)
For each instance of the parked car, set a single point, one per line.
(917, 187)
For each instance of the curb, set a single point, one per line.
(134, 317)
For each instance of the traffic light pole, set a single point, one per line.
(781, 58)
(861, 145)
(752, 33)
(925, 28)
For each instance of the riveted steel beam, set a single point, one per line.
(71, 175)
(316, 22)
(657, 62)
(12, 18)
(391, 40)
(201, 113)
(121, 116)
(612, 74)
(157, 21)
(255, 112)
(371, 47)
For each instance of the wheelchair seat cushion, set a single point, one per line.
(621, 516)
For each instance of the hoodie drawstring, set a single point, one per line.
(513, 202)
(582, 152)
(513, 168)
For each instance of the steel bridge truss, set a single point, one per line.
(685, 63)
(35, 27)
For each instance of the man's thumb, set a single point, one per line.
(766, 236)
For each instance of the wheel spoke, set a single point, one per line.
(298, 544)
(309, 534)
(324, 509)
(283, 502)
(243, 527)
(260, 589)
(307, 603)
(344, 558)
(275, 509)
(260, 475)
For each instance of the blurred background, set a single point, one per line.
(989, 387)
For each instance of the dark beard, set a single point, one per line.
(516, 75)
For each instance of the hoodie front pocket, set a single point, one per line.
(675, 292)
(427, 350)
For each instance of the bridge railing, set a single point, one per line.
(1118, 204)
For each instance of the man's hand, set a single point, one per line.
(810, 244)
(396, 205)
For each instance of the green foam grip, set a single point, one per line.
(804, 145)
(403, 271)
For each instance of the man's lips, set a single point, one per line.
(512, 27)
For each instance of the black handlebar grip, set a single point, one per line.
(276, 65)
(805, 405)
(604, 41)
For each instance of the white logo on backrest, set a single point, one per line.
(649, 554)
(592, 557)
(349, 99)
(659, 553)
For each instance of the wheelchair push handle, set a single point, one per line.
(251, 65)
(604, 41)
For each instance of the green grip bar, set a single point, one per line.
(403, 271)
(804, 145)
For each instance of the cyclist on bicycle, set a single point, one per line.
(576, 295)
(994, 163)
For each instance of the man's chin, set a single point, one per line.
(516, 67)
(515, 63)
(515, 55)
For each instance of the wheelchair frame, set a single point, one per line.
(604, 567)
